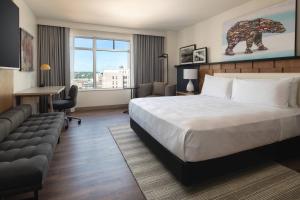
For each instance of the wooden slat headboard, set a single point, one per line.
(291, 65)
(6, 89)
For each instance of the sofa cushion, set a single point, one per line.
(37, 129)
(26, 109)
(159, 88)
(15, 116)
(4, 128)
(16, 144)
(43, 121)
(23, 173)
(19, 135)
(26, 152)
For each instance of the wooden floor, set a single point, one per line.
(87, 164)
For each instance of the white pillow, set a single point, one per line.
(217, 87)
(268, 92)
(293, 99)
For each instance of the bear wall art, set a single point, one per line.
(266, 33)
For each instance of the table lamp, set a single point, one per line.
(44, 67)
(190, 74)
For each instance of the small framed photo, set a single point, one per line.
(200, 55)
(186, 54)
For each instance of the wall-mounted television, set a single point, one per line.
(9, 35)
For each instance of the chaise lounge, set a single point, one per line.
(27, 144)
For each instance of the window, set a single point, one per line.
(99, 62)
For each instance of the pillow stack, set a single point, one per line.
(280, 93)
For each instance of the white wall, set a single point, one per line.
(103, 98)
(23, 80)
(209, 32)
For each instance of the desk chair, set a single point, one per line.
(68, 103)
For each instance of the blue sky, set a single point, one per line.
(83, 59)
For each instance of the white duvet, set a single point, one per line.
(197, 128)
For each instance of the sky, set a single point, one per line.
(83, 59)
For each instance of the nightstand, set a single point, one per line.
(182, 93)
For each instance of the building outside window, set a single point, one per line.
(101, 63)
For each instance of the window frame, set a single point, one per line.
(94, 50)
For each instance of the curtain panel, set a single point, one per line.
(53, 49)
(147, 66)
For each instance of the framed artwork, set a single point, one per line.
(200, 55)
(186, 54)
(265, 33)
(26, 61)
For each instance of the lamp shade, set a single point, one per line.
(45, 67)
(190, 74)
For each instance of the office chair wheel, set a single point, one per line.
(79, 122)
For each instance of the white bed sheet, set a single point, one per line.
(197, 128)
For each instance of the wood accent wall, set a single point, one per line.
(6, 89)
(268, 66)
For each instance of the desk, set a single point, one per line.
(41, 91)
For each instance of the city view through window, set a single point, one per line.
(101, 63)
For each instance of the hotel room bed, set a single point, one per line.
(200, 136)
(197, 128)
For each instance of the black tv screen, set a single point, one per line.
(9, 34)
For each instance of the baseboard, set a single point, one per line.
(108, 107)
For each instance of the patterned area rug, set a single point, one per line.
(271, 181)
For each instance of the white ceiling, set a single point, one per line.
(139, 14)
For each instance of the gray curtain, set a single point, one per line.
(147, 66)
(53, 49)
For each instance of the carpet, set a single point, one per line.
(269, 181)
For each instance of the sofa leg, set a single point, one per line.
(36, 195)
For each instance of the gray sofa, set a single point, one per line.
(156, 89)
(27, 143)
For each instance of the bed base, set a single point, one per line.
(189, 173)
